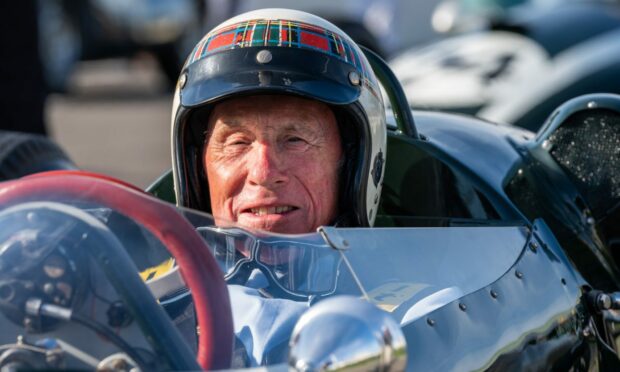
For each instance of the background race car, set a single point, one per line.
(526, 63)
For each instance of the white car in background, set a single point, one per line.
(522, 66)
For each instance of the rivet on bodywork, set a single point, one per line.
(430, 322)
(493, 294)
(28, 323)
(533, 246)
(462, 306)
(519, 274)
(32, 217)
(563, 281)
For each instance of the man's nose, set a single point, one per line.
(267, 166)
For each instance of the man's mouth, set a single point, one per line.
(263, 211)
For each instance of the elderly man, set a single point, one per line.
(278, 125)
(273, 163)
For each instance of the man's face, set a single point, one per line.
(272, 163)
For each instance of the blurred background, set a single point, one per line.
(100, 73)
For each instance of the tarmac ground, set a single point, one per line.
(115, 119)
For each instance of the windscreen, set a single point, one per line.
(405, 271)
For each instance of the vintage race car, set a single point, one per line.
(523, 67)
(493, 248)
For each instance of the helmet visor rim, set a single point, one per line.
(290, 71)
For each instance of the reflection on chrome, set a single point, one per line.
(345, 333)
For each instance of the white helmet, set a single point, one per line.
(283, 51)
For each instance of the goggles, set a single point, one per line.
(297, 269)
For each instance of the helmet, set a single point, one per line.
(280, 51)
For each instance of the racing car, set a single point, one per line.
(527, 63)
(493, 248)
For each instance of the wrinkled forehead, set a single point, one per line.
(274, 110)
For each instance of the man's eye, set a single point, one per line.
(295, 143)
(237, 142)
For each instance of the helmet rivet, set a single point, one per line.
(264, 56)
(182, 80)
(354, 78)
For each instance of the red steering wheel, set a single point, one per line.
(198, 267)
